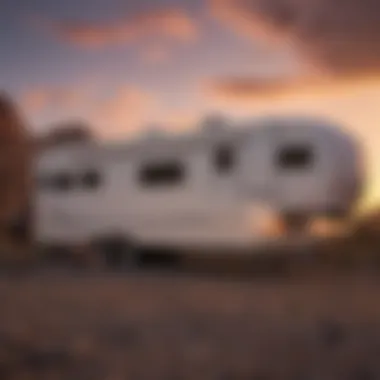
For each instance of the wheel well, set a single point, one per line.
(117, 250)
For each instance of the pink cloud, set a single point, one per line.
(341, 37)
(155, 54)
(123, 112)
(172, 24)
(126, 112)
(38, 99)
(241, 87)
(249, 91)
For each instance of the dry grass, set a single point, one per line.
(99, 326)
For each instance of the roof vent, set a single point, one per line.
(153, 132)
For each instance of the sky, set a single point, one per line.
(125, 65)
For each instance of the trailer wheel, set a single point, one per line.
(54, 254)
(116, 252)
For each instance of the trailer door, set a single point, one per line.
(295, 165)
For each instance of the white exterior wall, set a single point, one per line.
(206, 209)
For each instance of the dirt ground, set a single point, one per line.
(157, 326)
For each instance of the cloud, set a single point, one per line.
(170, 23)
(249, 91)
(155, 54)
(34, 101)
(341, 37)
(124, 111)
(249, 87)
(38, 99)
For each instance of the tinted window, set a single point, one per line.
(62, 182)
(57, 182)
(224, 159)
(91, 179)
(162, 174)
(295, 157)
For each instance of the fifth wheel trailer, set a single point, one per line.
(220, 186)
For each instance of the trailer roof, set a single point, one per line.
(205, 135)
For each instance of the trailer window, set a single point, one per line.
(224, 159)
(161, 174)
(62, 182)
(57, 182)
(91, 179)
(296, 157)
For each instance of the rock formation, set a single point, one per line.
(15, 164)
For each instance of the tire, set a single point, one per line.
(116, 252)
(55, 255)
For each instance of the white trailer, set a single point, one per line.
(222, 186)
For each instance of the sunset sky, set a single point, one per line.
(121, 65)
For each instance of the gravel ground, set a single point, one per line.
(171, 326)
